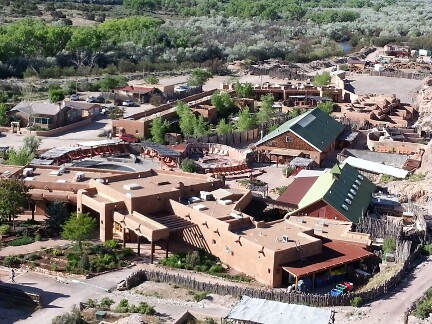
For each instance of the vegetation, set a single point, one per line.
(13, 198)
(143, 308)
(356, 301)
(23, 240)
(424, 307)
(385, 178)
(322, 79)
(116, 113)
(198, 296)
(72, 317)
(4, 119)
(111, 82)
(280, 190)
(223, 103)
(56, 95)
(56, 215)
(188, 165)
(4, 229)
(189, 123)
(265, 112)
(79, 227)
(246, 121)
(158, 130)
(416, 177)
(195, 260)
(23, 155)
(151, 79)
(224, 128)
(389, 245)
(326, 106)
(243, 90)
(198, 77)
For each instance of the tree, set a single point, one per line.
(31, 143)
(326, 106)
(198, 77)
(295, 112)
(85, 43)
(4, 118)
(56, 95)
(187, 118)
(79, 227)
(243, 90)
(322, 79)
(265, 112)
(111, 82)
(13, 198)
(224, 128)
(151, 79)
(245, 121)
(188, 165)
(200, 126)
(158, 129)
(223, 103)
(140, 5)
(116, 113)
(56, 215)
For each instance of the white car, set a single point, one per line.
(74, 97)
(128, 103)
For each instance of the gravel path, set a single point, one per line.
(390, 308)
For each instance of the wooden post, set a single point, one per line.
(296, 284)
(139, 245)
(166, 249)
(313, 280)
(152, 252)
(124, 236)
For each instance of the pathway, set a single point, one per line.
(33, 247)
(390, 308)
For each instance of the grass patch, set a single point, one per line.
(416, 177)
(385, 178)
(23, 240)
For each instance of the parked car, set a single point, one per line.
(128, 103)
(74, 97)
(91, 99)
(129, 138)
(100, 99)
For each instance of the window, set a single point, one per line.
(288, 139)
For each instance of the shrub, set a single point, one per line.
(56, 252)
(209, 320)
(74, 316)
(37, 237)
(4, 229)
(389, 245)
(356, 302)
(23, 240)
(111, 244)
(188, 165)
(106, 302)
(427, 249)
(12, 261)
(85, 262)
(198, 296)
(32, 257)
(54, 267)
(125, 253)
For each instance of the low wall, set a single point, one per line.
(64, 129)
(394, 146)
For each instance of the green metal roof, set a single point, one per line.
(337, 187)
(314, 126)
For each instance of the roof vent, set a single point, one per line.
(285, 238)
(350, 196)
(353, 192)
(355, 187)
(344, 206)
(348, 201)
(360, 177)
(358, 182)
(132, 186)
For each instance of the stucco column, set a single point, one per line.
(106, 224)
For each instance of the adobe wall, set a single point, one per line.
(134, 127)
(393, 146)
(213, 235)
(63, 129)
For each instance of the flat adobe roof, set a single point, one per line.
(333, 254)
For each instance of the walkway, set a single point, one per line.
(33, 247)
(390, 308)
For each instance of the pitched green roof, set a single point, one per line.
(337, 187)
(314, 126)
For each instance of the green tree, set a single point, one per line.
(295, 112)
(265, 112)
(200, 127)
(223, 103)
(243, 90)
(187, 118)
(56, 215)
(85, 43)
(56, 95)
(4, 119)
(246, 121)
(111, 82)
(188, 165)
(326, 106)
(198, 77)
(322, 79)
(224, 128)
(140, 5)
(13, 198)
(79, 227)
(31, 143)
(158, 130)
(151, 79)
(116, 113)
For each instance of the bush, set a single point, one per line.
(12, 261)
(106, 302)
(356, 302)
(56, 252)
(32, 257)
(188, 165)
(74, 316)
(198, 296)
(427, 249)
(37, 237)
(54, 267)
(4, 229)
(111, 244)
(23, 240)
(389, 245)
(85, 262)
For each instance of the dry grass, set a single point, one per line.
(385, 274)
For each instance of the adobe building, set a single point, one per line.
(311, 135)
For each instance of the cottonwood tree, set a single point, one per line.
(223, 103)
(245, 120)
(243, 90)
(322, 79)
(326, 106)
(14, 198)
(78, 228)
(265, 112)
(158, 130)
(198, 77)
(224, 128)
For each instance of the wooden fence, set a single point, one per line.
(380, 227)
(20, 295)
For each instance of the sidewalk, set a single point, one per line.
(33, 247)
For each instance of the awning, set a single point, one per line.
(286, 152)
(333, 255)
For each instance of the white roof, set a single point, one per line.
(375, 167)
(256, 310)
(98, 143)
(309, 173)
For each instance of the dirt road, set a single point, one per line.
(391, 307)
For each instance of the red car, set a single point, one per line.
(129, 138)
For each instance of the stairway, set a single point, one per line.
(300, 251)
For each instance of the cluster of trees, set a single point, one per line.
(23, 155)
